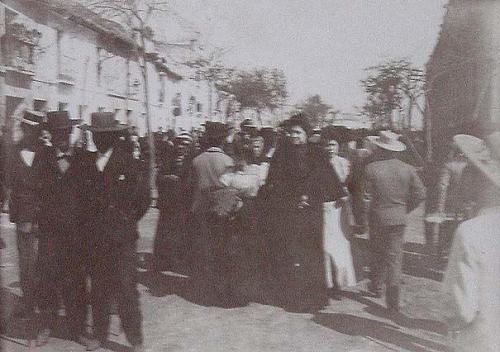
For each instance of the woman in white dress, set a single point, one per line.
(337, 248)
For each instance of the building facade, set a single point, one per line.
(58, 55)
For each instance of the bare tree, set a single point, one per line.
(136, 17)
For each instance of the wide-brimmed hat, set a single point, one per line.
(60, 120)
(389, 140)
(248, 124)
(184, 136)
(484, 155)
(101, 122)
(32, 118)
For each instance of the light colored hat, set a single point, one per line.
(388, 140)
(485, 155)
(185, 136)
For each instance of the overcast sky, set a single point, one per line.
(322, 46)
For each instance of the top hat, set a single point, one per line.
(388, 140)
(59, 120)
(32, 118)
(101, 122)
(485, 155)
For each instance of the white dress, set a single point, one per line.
(337, 248)
(472, 281)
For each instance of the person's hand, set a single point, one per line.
(25, 227)
(172, 177)
(304, 202)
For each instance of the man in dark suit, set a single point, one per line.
(116, 195)
(61, 243)
(24, 207)
(392, 189)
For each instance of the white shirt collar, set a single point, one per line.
(102, 159)
(27, 156)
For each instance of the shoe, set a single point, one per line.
(43, 337)
(90, 343)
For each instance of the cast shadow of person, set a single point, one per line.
(17, 330)
(377, 331)
(434, 326)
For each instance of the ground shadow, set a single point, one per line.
(416, 262)
(376, 330)
(379, 310)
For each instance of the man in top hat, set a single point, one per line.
(61, 244)
(471, 278)
(392, 189)
(24, 206)
(115, 195)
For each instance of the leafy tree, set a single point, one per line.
(388, 87)
(317, 111)
(259, 89)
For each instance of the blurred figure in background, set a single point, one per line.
(173, 202)
(472, 275)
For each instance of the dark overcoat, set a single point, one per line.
(299, 173)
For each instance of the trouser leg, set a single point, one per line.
(394, 265)
(52, 254)
(378, 253)
(101, 267)
(128, 295)
(75, 291)
(27, 246)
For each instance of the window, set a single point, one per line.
(161, 98)
(101, 109)
(63, 107)
(40, 105)
(81, 112)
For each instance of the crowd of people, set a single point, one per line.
(272, 206)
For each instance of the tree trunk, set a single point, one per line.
(151, 143)
(210, 108)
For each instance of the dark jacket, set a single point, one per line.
(59, 192)
(392, 189)
(174, 194)
(117, 198)
(24, 199)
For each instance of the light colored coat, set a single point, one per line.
(473, 280)
(208, 167)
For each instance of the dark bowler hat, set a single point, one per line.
(59, 120)
(216, 129)
(33, 118)
(105, 122)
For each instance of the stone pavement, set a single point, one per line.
(177, 319)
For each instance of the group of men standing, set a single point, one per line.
(76, 215)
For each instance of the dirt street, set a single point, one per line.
(176, 318)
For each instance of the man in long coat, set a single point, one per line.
(24, 207)
(392, 189)
(62, 246)
(115, 196)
